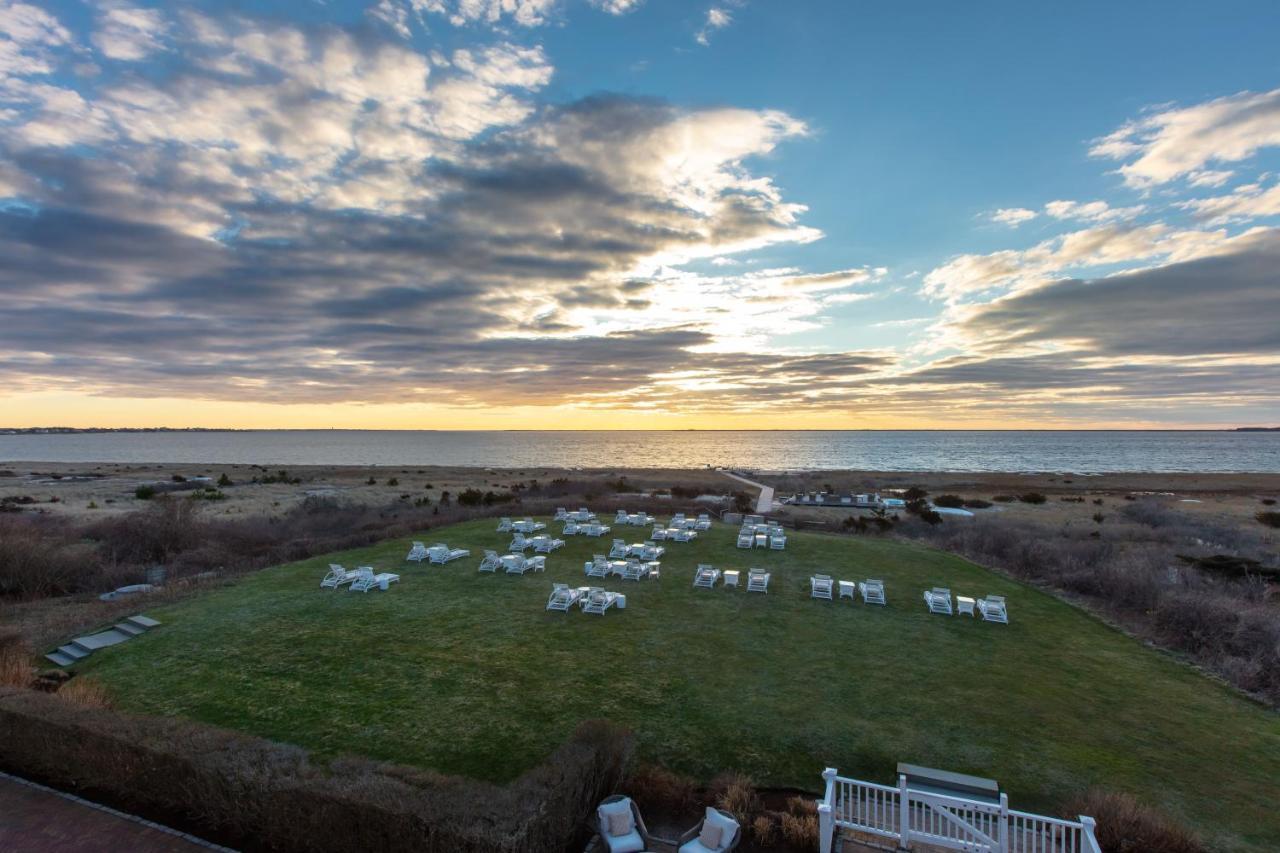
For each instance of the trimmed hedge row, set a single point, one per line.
(261, 795)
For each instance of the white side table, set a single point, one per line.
(964, 604)
(731, 577)
(848, 589)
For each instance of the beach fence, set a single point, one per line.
(924, 807)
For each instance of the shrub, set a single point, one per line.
(800, 831)
(1270, 519)
(949, 501)
(178, 478)
(1127, 826)
(274, 797)
(1098, 518)
(1032, 498)
(737, 795)
(764, 828)
(15, 660)
(977, 503)
(144, 493)
(915, 493)
(657, 789)
(224, 481)
(1268, 501)
(40, 558)
(394, 481)
(85, 691)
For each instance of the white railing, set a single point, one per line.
(957, 823)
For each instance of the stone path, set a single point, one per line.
(764, 504)
(81, 647)
(36, 818)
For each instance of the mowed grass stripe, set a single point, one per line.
(466, 673)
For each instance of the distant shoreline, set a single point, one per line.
(126, 430)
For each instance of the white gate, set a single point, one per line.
(956, 823)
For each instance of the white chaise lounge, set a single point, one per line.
(599, 600)
(367, 580)
(706, 576)
(441, 553)
(417, 553)
(872, 591)
(820, 586)
(939, 600)
(563, 597)
(338, 576)
(758, 580)
(492, 561)
(993, 610)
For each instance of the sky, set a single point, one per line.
(630, 214)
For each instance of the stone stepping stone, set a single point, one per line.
(81, 647)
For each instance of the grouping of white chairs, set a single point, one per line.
(590, 599)
(629, 568)
(438, 553)
(990, 609)
(360, 579)
(622, 829)
(524, 525)
(578, 515)
(512, 564)
(826, 587)
(593, 529)
(633, 519)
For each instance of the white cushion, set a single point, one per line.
(632, 843)
(728, 826)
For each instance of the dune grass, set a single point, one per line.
(466, 673)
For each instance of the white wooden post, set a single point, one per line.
(826, 820)
(904, 814)
(1002, 828)
(1090, 844)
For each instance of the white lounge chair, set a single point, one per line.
(636, 570)
(545, 544)
(619, 549)
(561, 513)
(597, 568)
(939, 600)
(820, 586)
(492, 561)
(993, 610)
(417, 553)
(706, 576)
(703, 522)
(683, 535)
(777, 541)
(563, 597)
(659, 533)
(758, 580)
(620, 517)
(526, 564)
(367, 580)
(519, 543)
(599, 600)
(504, 525)
(678, 519)
(337, 577)
(648, 551)
(872, 591)
(441, 553)
(570, 529)
(595, 529)
(746, 540)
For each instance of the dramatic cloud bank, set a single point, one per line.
(316, 214)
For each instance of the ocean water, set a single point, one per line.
(886, 450)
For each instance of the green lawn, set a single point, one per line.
(466, 673)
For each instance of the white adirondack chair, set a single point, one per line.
(491, 562)
(872, 591)
(993, 609)
(706, 576)
(939, 600)
(820, 586)
(758, 580)
(417, 553)
(337, 577)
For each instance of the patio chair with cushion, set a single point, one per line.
(715, 833)
(620, 825)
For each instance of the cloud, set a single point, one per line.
(1013, 216)
(1250, 201)
(1091, 211)
(617, 7)
(1224, 304)
(718, 17)
(28, 36)
(460, 13)
(1178, 142)
(968, 276)
(129, 32)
